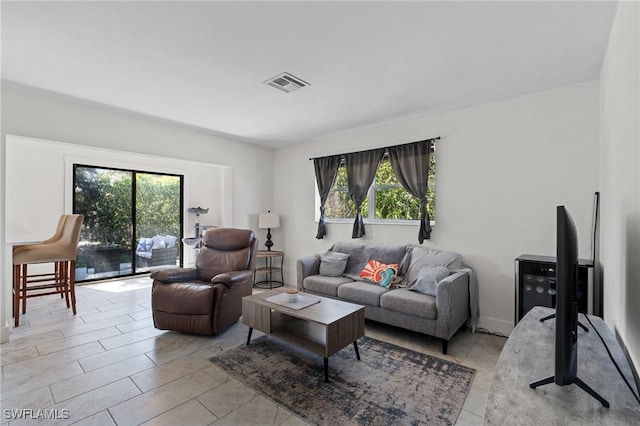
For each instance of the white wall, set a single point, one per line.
(203, 185)
(36, 114)
(32, 113)
(620, 177)
(502, 169)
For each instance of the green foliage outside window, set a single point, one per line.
(339, 204)
(104, 197)
(391, 201)
(157, 205)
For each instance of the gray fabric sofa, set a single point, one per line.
(453, 306)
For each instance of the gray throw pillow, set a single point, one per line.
(428, 279)
(421, 257)
(332, 263)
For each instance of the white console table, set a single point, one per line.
(529, 355)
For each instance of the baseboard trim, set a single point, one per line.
(495, 325)
(4, 333)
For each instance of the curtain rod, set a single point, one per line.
(408, 143)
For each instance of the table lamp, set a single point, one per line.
(268, 220)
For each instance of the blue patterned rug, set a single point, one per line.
(389, 386)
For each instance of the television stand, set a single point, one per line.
(529, 355)
(552, 316)
(582, 385)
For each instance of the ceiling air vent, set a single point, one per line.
(286, 82)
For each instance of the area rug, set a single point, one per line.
(389, 386)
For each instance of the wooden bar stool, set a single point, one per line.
(61, 250)
(54, 237)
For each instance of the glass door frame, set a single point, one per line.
(134, 173)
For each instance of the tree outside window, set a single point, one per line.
(386, 200)
(112, 201)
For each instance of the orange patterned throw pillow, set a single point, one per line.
(379, 273)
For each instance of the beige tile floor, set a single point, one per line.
(107, 365)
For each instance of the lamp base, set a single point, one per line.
(269, 243)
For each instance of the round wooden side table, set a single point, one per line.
(269, 269)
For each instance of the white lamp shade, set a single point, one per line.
(268, 220)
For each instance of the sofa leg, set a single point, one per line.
(445, 345)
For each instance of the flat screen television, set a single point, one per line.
(566, 339)
(566, 366)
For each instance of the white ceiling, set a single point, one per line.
(203, 63)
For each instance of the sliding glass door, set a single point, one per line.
(133, 221)
(158, 221)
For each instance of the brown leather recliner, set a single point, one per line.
(207, 299)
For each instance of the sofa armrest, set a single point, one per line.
(306, 266)
(175, 275)
(456, 278)
(452, 300)
(232, 278)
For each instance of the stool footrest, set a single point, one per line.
(25, 286)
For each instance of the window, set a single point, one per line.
(386, 200)
(132, 221)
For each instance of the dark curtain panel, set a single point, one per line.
(361, 170)
(410, 163)
(326, 172)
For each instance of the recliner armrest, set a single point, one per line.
(232, 278)
(175, 275)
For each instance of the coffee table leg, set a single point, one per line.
(249, 336)
(326, 370)
(355, 346)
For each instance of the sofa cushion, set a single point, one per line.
(409, 302)
(379, 273)
(425, 257)
(145, 254)
(361, 292)
(158, 242)
(170, 240)
(333, 264)
(324, 285)
(428, 279)
(144, 244)
(362, 253)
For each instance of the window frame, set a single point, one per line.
(134, 227)
(370, 217)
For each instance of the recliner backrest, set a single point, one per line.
(225, 250)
